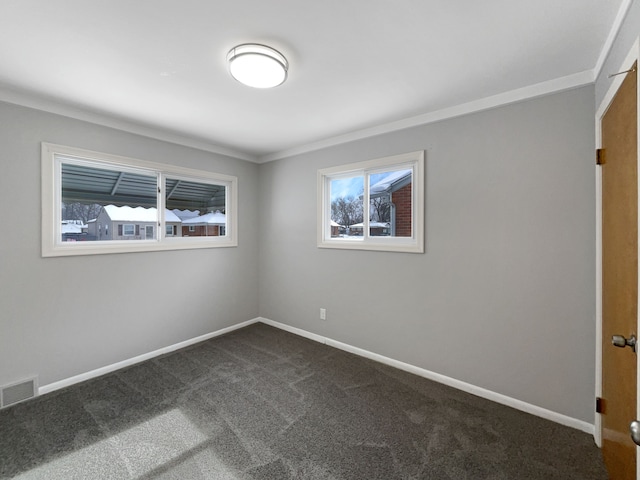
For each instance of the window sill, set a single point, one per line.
(408, 247)
(102, 248)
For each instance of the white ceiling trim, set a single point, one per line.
(540, 89)
(586, 44)
(545, 88)
(8, 95)
(615, 29)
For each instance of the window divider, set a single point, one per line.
(399, 174)
(73, 177)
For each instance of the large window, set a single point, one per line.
(97, 203)
(373, 205)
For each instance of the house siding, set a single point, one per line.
(402, 200)
(201, 231)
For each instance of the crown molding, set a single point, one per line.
(29, 100)
(540, 89)
(537, 90)
(613, 33)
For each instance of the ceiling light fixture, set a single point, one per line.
(257, 65)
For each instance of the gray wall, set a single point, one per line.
(503, 298)
(60, 317)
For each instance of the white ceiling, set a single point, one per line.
(354, 64)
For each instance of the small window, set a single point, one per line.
(170, 230)
(373, 205)
(95, 203)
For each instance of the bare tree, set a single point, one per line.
(347, 211)
(380, 209)
(80, 211)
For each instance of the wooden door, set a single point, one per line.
(619, 278)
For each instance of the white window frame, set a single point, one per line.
(53, 156)
(413, 244)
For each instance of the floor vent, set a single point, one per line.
(18, 392)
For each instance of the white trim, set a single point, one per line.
(140, 358)
(31, 100)
(452, 382)
(53, 155)
(568, 82)
(540, 89)
(413, 244)
(296, 331)
(613, 33)
(597, 435)
(632, 56)
(616, 81)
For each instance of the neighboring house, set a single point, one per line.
(73, 230)
(376, 229)
(74, 226)
(335, 228)
(209, 225)
(396, 190)
(131, 223)
(182, 215)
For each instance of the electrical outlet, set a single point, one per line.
(323, 314)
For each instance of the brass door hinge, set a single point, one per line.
(600, 156)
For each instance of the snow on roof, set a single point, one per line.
(371, 225)
(138, 214)
(216, 218)
(185, 214)
(334, 223)
(71, 228)
(170, 217)
(385, 183)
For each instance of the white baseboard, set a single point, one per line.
(452, 382)
(140, 358)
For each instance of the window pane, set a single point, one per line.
(196, 209)
(390, 208)
(106, 204)
(347, 207)
(92, 203)
(388, 192)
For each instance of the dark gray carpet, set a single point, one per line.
(260, 403)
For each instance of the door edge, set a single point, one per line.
(632, 56)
